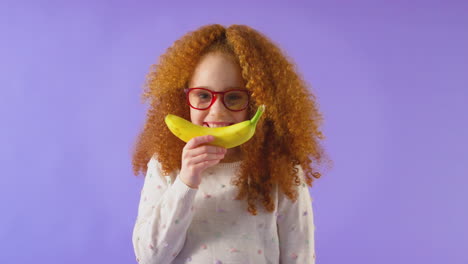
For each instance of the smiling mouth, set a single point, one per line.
(205, 124)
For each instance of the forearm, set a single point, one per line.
(159, 234)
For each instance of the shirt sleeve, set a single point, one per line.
(164, 214)
(295, 223)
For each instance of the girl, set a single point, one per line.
(206, 204)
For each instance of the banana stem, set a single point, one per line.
(258, 114)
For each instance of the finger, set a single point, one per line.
(205, 164)
(196, 141)
(206, 157)
(206, 149)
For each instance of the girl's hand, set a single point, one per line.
(196, 157)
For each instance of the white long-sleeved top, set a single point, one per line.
(178, 224)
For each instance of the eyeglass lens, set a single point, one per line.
(234, 100)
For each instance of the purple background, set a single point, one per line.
(391, 79)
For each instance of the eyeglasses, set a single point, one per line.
(202, 98)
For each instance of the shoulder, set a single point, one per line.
(153, 162)
(155, 165)
(302, 189)
(300, 173)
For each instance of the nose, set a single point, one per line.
(218, 105)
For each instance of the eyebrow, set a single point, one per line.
(226, 88)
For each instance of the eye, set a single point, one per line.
(233, 97)
(203, 95)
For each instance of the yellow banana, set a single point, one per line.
(227, 137)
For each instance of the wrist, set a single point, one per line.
(189, 184)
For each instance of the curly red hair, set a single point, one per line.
(287, 135)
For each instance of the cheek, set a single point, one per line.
(193, 116)
(196, 117)
(242, 116)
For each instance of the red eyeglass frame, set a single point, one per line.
(214, 97)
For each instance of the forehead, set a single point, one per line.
(217, 72)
